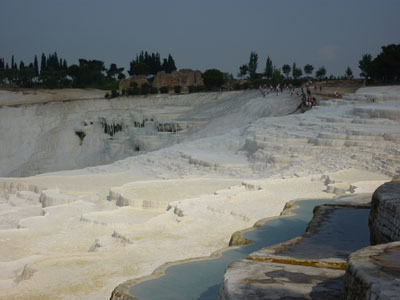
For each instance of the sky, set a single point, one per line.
(202, 34)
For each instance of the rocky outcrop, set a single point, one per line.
(373, 273)
(125, 84)
(384, 219)
(183, 78)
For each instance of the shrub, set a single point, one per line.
(201, 88)
(133, 91)
(245, 86)
(153, 90)
(213, 78)
(192, 89)
(114, 94)
(145, 88)
(177, 89)
(133, 84)
(164, 89)
(107, 96)
(237, 86)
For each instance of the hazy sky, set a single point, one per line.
(201, 34)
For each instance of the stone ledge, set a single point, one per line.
(373, 273)
(384, 220)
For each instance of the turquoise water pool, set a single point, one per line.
(202, 279)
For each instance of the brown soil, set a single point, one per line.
(341, 86)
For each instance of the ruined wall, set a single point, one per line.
(125, 84)
(184, 78)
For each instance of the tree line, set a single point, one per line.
(54, 71)
(150, 64)
(274, 75)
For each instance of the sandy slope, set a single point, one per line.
(77, 234)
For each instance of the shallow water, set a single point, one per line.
(338, 235)
(202, 279)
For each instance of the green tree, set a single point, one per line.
(145, 88)
(170, 64)
(141, 68)
(308, 69)
(73, 72)
(13, 63)
(112, 72)
(243, 70)
(297, 72)
(177, 89)
(43, 65)
(294, 67)
(213, 78)
(21, 65)
(349, 72)
(365, 65)
(286, 70)
(36, 67)
(321, 72)
(26, 75)
(253, 62)
(121, 75)
(2, 71)
(269, 68)
(276, 76)
(386, 66)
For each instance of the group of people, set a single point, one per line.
(308, 100)
(267, 90)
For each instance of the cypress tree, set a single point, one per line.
(253, 65)
(36, 67)
(43, 65)
(56, 65)
(269, 69)
(170, 64)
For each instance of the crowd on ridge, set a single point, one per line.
(308, 100)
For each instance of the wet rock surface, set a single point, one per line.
(307, 267)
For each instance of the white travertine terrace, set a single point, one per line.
(239, 158)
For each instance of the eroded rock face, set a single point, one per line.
(384, 219)
(125, 84)
(184, 78)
